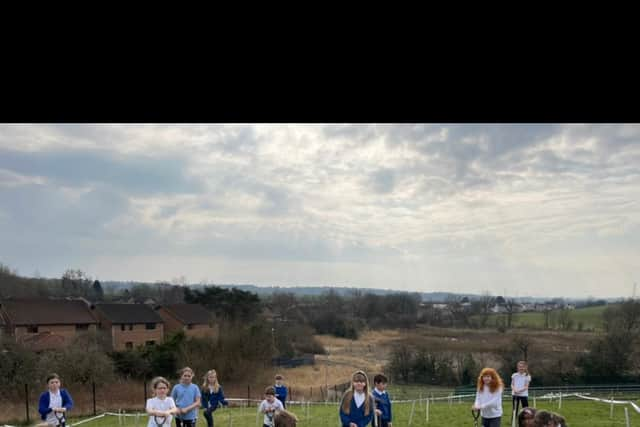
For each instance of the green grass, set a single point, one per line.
(578, 414)
(590, 317)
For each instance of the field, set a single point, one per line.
(578, 414)
(589, 317)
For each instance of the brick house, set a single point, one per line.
(130, 325)
(193, 319)
(42, 323)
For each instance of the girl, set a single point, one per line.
(54, 403)
(357, 407)
(520, 386)
(160, 407)
(212, 395)
(489, 397)
(187, 398)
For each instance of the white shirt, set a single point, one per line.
(156, 404)
(55, 401)
(268, 416)
(518, 381)
(359, 398)
(490, 403)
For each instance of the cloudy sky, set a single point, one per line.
(539, 210)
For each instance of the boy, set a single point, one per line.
(281, 390)
(54, 403)
(187, 398)
(383, 401)
(269, 406)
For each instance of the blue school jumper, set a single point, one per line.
(212, 400)
(357, 415)
(43, 404)
(281, 394)
(383, 403)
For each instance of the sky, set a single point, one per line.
(506, 209)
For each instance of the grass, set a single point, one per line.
(577, 412)
(590, 318)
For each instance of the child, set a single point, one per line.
(489, 397)
(212, 396)
(526, 417)
(357, 407)
(269, 406)
(520, 386)
(55, 402)
(383, 401)
(281, 390)
(160, 407)
(187, 397)
(285, 418)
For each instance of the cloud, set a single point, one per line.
(423, 206)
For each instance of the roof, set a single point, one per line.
(128, 313)
(189, 314)
(45, 311)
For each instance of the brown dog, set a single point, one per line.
(285, 418)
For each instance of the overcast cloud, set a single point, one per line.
(540, 210)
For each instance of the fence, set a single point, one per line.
(21, 405)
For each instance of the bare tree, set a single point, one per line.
(510, 305)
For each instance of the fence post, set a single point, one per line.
(248, 394)
(626, 416)
(335, 389)
(93, 387)
(26, 400)
(310, 392)
(144, 385)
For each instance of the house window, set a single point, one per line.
(32, 329)
(190, 326)
(150, 325)
(82, 328)
(122, 327)
(150, 343)
(128, 345)
(131, 326)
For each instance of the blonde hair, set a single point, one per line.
(158, 380)
(496, 381)
(348, 395)
(205, 381)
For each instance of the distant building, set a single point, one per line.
(130, 325)
(44, 324)
(193, 319)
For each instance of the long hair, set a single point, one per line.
(496, 381)
(205, 381)
(347, 397)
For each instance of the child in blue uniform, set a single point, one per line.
(358, 407)
(212, 395)
(281, 390)
(383, 401)
(55, 402)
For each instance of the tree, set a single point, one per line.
(484, 305)
(75, 283)
(510, 307)
(98, 293)
(401, 363)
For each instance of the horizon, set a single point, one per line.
(542, 211)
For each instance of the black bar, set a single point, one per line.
(93, 386)
(26, 400)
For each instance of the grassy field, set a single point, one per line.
(577, 413)
(589, 317)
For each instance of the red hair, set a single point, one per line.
(496, 381)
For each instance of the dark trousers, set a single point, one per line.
(209, 417)
(491, 422)
(185, 423)
(524, 400)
